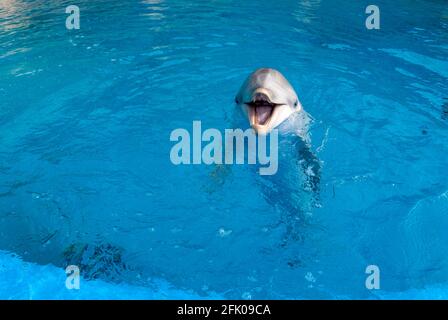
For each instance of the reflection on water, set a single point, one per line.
(306, 11)
(154, 9)
(12, 15)
(445, 110)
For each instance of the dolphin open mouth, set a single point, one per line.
(263, 113)
(260, 112)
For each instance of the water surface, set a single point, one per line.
(85, 119)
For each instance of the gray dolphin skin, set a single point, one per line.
(267, 99)
(270, 102)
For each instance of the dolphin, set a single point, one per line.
(267, 99)
(270, 102)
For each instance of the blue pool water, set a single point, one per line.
(86, 177)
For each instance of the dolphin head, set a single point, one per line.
(267, 99)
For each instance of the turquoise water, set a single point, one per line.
(86, 177)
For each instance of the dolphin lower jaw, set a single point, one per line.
(261, 110)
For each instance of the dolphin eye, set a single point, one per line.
(236, 100)
(295, 104)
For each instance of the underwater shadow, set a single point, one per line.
(445, 109)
